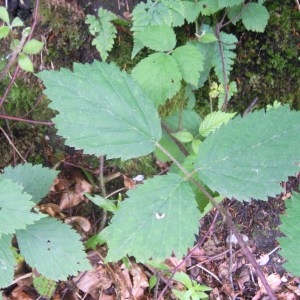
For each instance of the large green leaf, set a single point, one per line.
(189, 60)
(7, 261)
(158, 38)
(102, 110)
(15, 207)
(53, 248)
(159, 77)
(291, 228)
(35, 179)
(255, 17)
(247, 158)
(159, 218)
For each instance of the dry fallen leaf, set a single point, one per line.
(51, 209)
(74, 197)
(128, 182)
(84, 223)
(24, 293)
(93, 282)
(140, 281)
(274, 282)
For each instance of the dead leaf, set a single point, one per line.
(140, 281)
(274, 282)
(128, 182)
(24, 293)
(72, 198)
(51, 209)
(93, 282)
(84, 223)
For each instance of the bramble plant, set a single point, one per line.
(105, 111)
(21, 49)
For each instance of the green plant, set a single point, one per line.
(109, 112)
(103, 30)
(192, 289)
(21, 49)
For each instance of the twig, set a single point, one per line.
(227, 217)
(103, 190)
(225, 79)
(198, 245)
(12, 144)
(298, 4)
(250, 107)
(26, 121)
(179, 145)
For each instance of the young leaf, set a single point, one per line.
(106, 204)
(213, 121)
(249, 157)
(102, 110)
(208, 38)
(158, 218)
(183, 136)
(103, 30)
(189, 60)
(290, 227)
(255, 17)
(28, 174)
(159, 77)
(44, 286)
(228, 44)
(158, 38)
(17, 22)
(25, 63)
(4, 14)
(33, 47)
(57, 252)
(4, 31)
(7, 261)
(184, 120)
(15, 207)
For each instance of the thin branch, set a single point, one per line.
(103, 190)
(228, 219)
(298, 4)
(12, 144)
(26, 121)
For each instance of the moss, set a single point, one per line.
(267, 64)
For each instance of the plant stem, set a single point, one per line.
(103, 190)
(227, 218)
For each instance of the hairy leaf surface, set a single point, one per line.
(159, 76)
(15, 207)
(248, 158)
(53, 248)
(27, 174)
(7, 261)
(291, 228)
(158, 218)
(102, 110)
